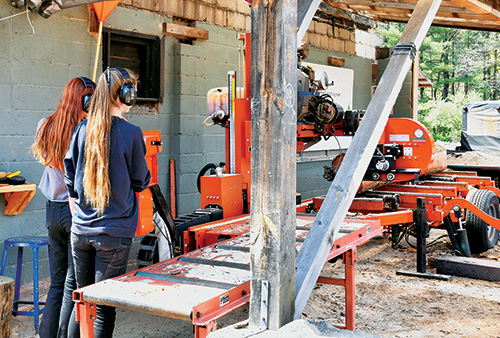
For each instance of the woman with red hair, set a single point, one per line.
(53, 138)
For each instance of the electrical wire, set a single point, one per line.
(17, 14)
(207, 124)
(164, 235)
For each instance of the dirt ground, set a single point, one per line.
(387, 304)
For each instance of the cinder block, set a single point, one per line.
(228, 37)
(350, 48)
(57, 28)
(321, 28)
(220, 17)
(190, 85)
(33, 48)
(338, 45)
(248, 23)
(5, 99)
(34, 98)
(189, 9)
(210, 17)
(152, 5)
(79, 28)
(201, 12)
(324, 42)
(50, 74)
(188, 182)
(21, 146)
(174, 8)
(236, 20)
(191, 163)
(243, 7)
(344, 34)
(187, 203)
(228, 4)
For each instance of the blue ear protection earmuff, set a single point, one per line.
(87, 97)
(127, 92)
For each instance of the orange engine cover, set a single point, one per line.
(418, 147)
(225, 191)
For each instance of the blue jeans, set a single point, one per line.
(59, 303)
(98, 258)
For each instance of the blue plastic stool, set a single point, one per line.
(35, 243)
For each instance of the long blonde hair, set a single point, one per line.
(54, 135)
(96, 181)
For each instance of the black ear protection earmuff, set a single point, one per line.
(127, 92)
(87, 97)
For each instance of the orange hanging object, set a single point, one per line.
(104, 8)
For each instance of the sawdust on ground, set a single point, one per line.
(474, 158)
(387, 304)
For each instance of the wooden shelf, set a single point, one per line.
(17, 197)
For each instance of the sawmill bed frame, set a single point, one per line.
(205, 284)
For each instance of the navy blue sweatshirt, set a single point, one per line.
(128, 174)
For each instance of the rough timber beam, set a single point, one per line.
(318, 242)
(305, 13)
(273, 162)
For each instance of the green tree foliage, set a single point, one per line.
(464, 66)
(444, 117)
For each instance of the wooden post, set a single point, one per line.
(6, 302)
(320, 238)
(274, 128)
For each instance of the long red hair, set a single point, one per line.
(54, 135)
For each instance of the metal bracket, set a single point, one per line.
(264, 305)
(408, 48)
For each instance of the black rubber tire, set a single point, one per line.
(482, 236)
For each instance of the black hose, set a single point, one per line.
(203, 170)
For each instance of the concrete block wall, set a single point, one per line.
(200, 67)
(35, 67)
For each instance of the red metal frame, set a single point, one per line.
(349, 258)
(207, 234)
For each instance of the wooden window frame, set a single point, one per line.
(151, 72)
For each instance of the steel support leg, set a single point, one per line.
(350, 259)
(422, 231)
(203, 331)
(85, 314)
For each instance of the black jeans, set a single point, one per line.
(98, 258)
(59, 303)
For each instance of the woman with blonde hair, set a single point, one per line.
(105, 167)
(52, 141)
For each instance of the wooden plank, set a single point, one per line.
(185, 31)
(305, 13)
(273, 159)
(468, 267)
(21, 187)
(341, 193)
(16, 201)
(337, 62)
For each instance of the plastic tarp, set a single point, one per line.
(481, 126)
(48, 7)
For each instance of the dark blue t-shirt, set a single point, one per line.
(128, 174)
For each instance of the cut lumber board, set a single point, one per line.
(185, 31)
(468, 267)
